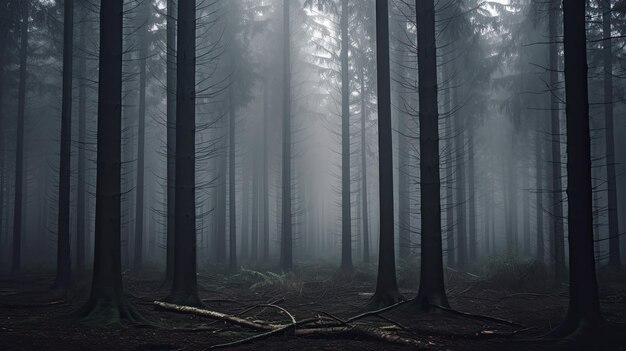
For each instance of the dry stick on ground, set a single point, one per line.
(477, 316)
(270, 328)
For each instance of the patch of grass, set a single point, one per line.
(515, 274)
(268, 279)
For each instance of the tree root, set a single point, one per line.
(583, 334)
(110, 309)
(478, 316)
(34, 305)
(384, 299)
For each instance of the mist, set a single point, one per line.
(456, 168)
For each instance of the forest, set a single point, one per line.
(312, 175)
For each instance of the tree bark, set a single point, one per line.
(81, 201)
(254, 230)
(245, 211)
(472, 240)
(450, 243)
(286, 245)
(232, 207)
(171, 138)
(539, 147)
(431, 290)
(556, 206)
(459, 147)
(107, 304)
(5, 19)
(266, 192)
(141, 135)
(364, 207)
(184, 287)
(525, 206)
(64, 259)
(607, 56)
(346, 205)
(584, 307)
(386, 293)
(19, 149)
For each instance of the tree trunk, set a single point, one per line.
(286, 245)
(525, 206)
(81, 201)
(556, 206)
(583, 319)
(473, 244)
(450, 248)
(220, 247)
(511, 198)
(19, 149)
(184, 287)
(364, 208)
(539, 146)
(232, 200)
(386, 293)
(266, 191)
(431, 290)
(459, 147)
(171, 139)
(141, 135)
(400, 128)
(245, 211)
(107, 304)
(607, 54)
(346, 208)
(64, 259)
(5, 21)
(254, 232)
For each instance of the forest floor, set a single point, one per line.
(32, 318)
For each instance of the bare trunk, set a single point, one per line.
(171, 138)
(473, 244)
(583, 317)
(364, 207)
(107, 304)
(141, 136)
(184, 287)
(614, 235)
(19, 149)
(266, 191)
(431, 290)
(386, 285)
(346, 208)
(81, 202)
(64, 259)
(286, 245)
(232, 227)
(459, 147)
(539, 147)
(556, 206)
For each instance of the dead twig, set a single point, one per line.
(377, 312)
(477, 316)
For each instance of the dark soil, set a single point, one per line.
(33, 318)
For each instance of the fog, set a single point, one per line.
(276, 142)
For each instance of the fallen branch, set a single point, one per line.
(217, 315)
(270, 329)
